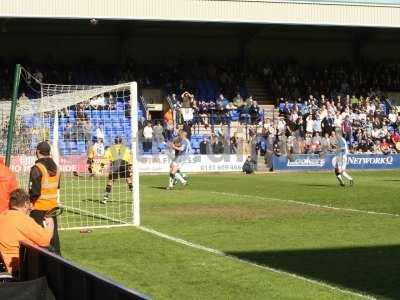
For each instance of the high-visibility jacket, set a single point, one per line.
(49, 189)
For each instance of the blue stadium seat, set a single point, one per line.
(96, 115)
(105, 114)
(235, 115)
(81, 147)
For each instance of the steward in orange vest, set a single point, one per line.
(44, 183)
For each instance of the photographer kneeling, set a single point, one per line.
(249, 166)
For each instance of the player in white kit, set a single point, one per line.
(341, 160)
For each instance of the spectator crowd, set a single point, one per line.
(368, 123)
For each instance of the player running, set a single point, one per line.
(120, 161)
(181, 146)
(341, 160)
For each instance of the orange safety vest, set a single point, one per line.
(48, 193)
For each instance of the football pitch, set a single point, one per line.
(266, 236)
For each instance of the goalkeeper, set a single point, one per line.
(120, 161)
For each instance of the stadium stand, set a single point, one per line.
(297, 90)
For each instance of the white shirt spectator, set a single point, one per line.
(362, 116)
(392, 117)
(100, 101)
(309, 124)
(317, 125)
(99, 133)
(148, 132)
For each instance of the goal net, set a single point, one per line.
(81, 123)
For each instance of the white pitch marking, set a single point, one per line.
(263, 267)
(309, 204)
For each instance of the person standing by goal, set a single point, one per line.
(120, 161)
(44, 185)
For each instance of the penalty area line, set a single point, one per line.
(253, 264)
(354, 210)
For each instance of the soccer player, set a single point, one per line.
(181, 146)
(90, 157)
(341, 160)
(95, 151)
(120, 161)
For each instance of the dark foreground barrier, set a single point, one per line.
(68, 281)
(327, 162)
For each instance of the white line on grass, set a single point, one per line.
(309, 204)
(263, 267)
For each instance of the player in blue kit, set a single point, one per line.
(341, 160)
(182, 148)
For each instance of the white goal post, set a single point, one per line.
(78, 121)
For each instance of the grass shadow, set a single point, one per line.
(158, 187)
(371, 270)
(318, 185)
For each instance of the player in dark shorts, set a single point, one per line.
(120, 159)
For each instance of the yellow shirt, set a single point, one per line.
(113, 153)
(91, 152)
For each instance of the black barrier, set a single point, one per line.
(67, 280)
(26, 290)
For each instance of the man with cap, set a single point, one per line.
(120, 160)
(44, 183)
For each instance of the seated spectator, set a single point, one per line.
(16, 225)
(254, 112)
(393, 117)
(69, 132)
(238, 101)
(385, 147)
(316, 143)
(326, 143)
(8, 183)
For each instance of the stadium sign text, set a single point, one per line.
(388, 160)
(354, 161)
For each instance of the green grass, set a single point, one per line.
(241, 216)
